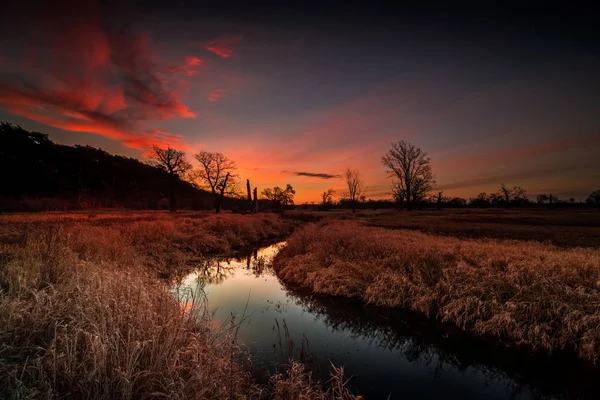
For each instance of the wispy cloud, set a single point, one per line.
(216, 95)
(509, 178)
(513, 154)
(223, 46)
(114, 90)
(317, 175)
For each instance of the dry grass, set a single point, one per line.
(565, 228)
(524, 293)
(83, 315)
(166, 243)
(296, 383)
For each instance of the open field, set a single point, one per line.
(83, 313)
(86, 312)
(561, 227)
(519, 292)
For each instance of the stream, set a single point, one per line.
(385, 352)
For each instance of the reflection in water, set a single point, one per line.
(386, 351)
(422, 341)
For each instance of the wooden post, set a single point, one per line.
(249, 195)
(256, 200)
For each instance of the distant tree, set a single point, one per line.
(411, 168)
(495, 199)
(217, 174)
(594, 198)
(327, 198)
(363, 200)
(280, 198)
(514, 195)
(174, 163)
(356, 187)
(542, 198)
(457, 202)
(438, 199)
(482, 200)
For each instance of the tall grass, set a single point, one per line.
(78, 324)
(83, 314)
(523, 293)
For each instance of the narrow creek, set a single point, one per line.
(385, 352)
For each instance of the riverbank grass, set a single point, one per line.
(84, 313)
(521, 293)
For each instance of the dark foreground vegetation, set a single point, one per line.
(84, 313)
(524, 293)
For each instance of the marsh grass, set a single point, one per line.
(564, 228)
(522, 293)
(84, 315)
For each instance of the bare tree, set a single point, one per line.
(327, 198)
(542, 198)
(356, 186)
(439, 200)
(594, 198)
(514, 195)
(410, 166)
(174, 163)
(279, 197)
(217, 173)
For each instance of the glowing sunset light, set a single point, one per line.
(294, 98)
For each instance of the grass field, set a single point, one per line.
(447, 265)
(86, 311)
(561, 227)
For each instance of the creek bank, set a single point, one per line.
(384, 350)
(525, 294)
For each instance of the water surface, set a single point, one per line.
(386, 352)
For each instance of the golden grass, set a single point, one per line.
(83, 315)
(523, 293)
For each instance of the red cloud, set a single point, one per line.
(80, 73)
(223, 47)
(189, 67)
(216, 94)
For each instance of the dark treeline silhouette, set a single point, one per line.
(38, 174)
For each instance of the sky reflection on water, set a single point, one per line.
(385, 352)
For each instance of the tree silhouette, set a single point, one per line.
(482, 200)
(594, 198)
(411, 168)
(439, 199)
(327, 198)
(356, 186)
(542, 198)
(174, 163)
(216, 173)
(280, 198)
(514, 195)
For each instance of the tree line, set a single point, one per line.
(40, 174)
(413, 184)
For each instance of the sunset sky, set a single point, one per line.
(495, 94)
